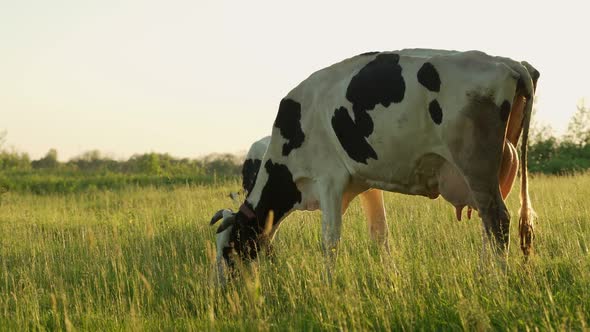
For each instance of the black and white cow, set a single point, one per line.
(417, 122)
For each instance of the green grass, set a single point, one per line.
(143, 259)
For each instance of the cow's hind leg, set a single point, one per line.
(495, 218)
(372, 202)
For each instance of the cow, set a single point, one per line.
(371, 200)
(416, 121)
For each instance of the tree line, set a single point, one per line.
(95, 162)
(94, 170)
(563, 155)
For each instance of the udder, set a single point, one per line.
(454, 189)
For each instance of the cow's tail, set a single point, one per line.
(525, 225)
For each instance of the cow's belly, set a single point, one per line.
(428, 175)
(407, 173)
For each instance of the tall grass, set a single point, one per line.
(143, 259)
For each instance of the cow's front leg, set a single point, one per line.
(331, 193)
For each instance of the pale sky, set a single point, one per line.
(195, 77)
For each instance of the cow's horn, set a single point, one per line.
(229, 221)
(219, 215)
(216, 217)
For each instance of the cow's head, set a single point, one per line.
(238, 237)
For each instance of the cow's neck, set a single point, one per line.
(274, 191)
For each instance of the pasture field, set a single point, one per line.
(143, 259)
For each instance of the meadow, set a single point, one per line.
(143, 258)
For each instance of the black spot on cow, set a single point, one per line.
(249, 173)
(435, 112)
(428, 77)
(279, 193)
(378, 82)
(369, 53)
(353, 141)
(288, 121)
(505, 110)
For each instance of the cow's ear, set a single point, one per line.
(234, 197)
(216, 217)
(229, 221)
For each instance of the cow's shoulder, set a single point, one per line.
(258, 148)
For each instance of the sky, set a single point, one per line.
(191, 78)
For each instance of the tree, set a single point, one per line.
(147, 163)
(540, 132)
(222, 164)
(93, 161)
(578, 130)
(49, 161)
(13, 160)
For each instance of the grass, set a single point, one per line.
(143, 259)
